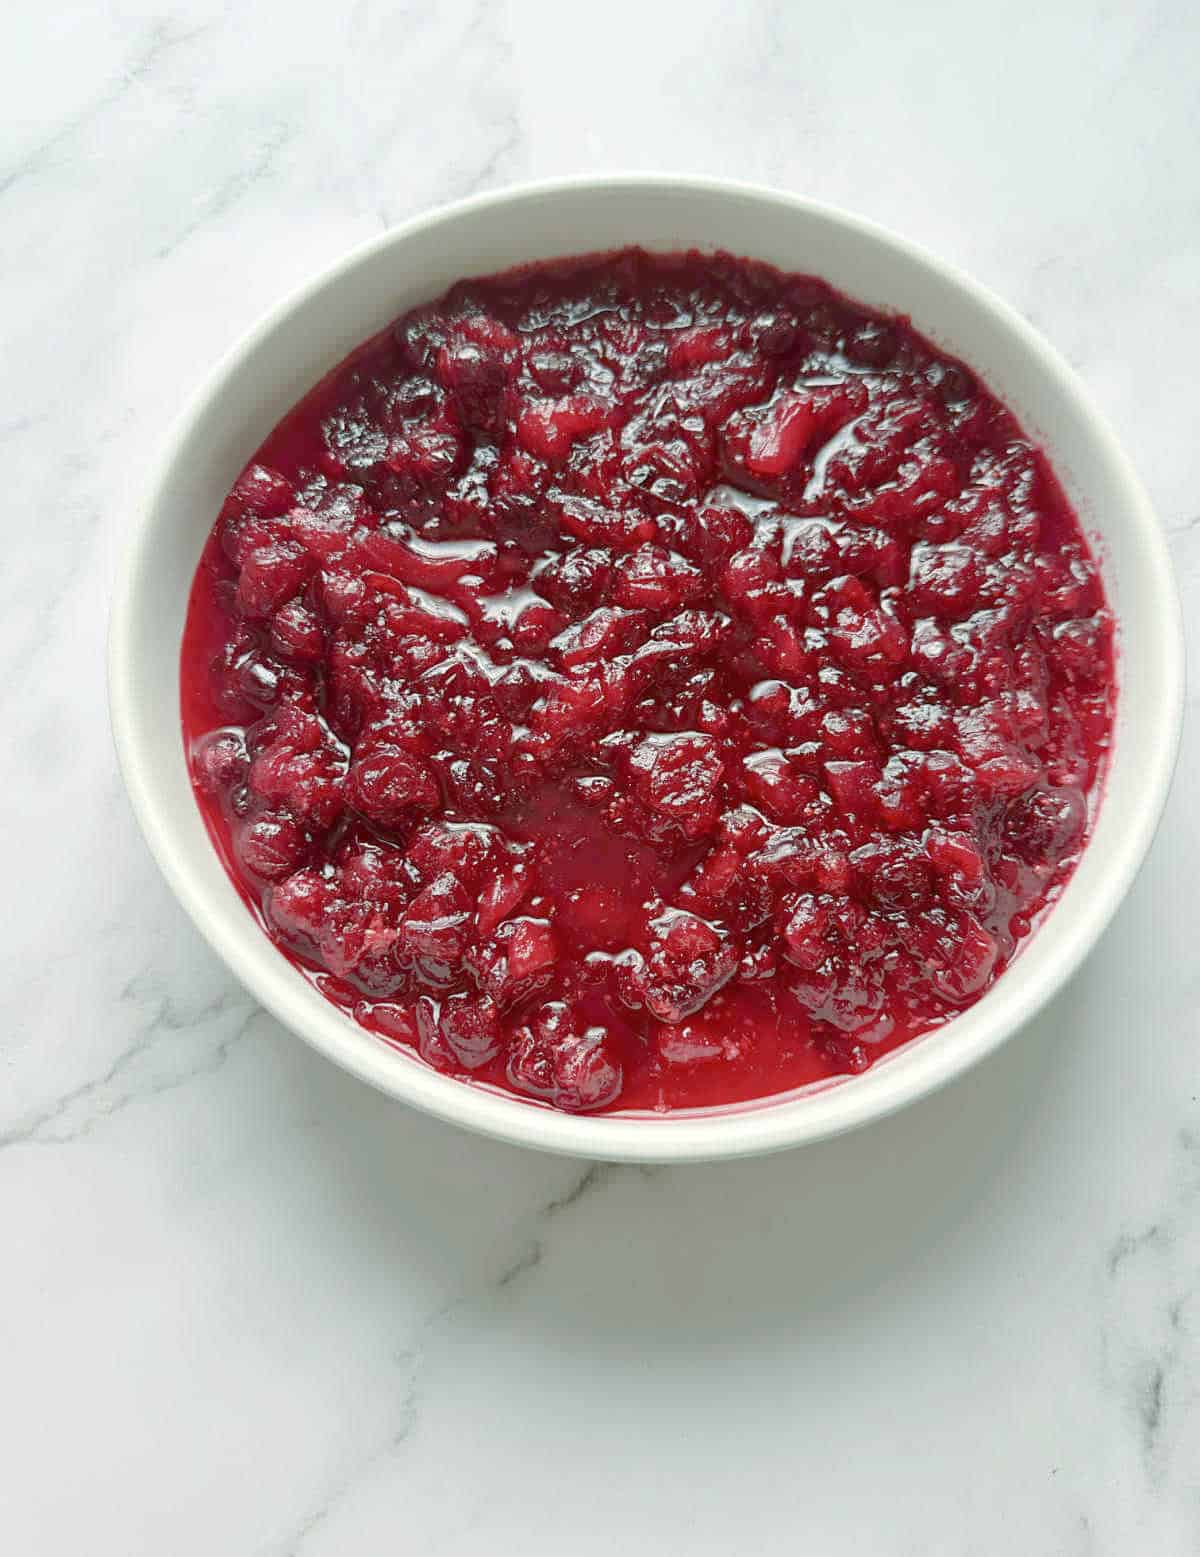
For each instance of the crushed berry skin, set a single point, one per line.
(648, 682)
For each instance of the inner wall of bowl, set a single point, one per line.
(313, 331)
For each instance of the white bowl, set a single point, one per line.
(313, 329)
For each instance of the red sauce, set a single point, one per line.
(648, 682)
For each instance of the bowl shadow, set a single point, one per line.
(550, 1248)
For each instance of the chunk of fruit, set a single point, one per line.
(774, 784)
(501, 895)
(1046, 824)
(656, 579)
(689, 961)
(219, 761)
(260, 491)
(680, 779)
(476, 365)
(301, 766)
(438, 922)
(389, 785)
(296, 633)
(514, 961)
(299, 904)
(603, 635)
(568, 1065)
(470, 1026)
(272, 845)
(549, 428)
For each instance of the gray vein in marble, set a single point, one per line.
(18, 425)
(163, 39)
(398, 1435)
(406, 1419)
(485, 24)
(1154, 1347)
(78, 1112)
(527, 1260)
(489, 172)
(494, 112)
(232, 189)
(1150, 1407)
(530, 1254)
(57, 582)
(593, 1177)
(1131, 1243)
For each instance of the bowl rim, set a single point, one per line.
(748, 1129)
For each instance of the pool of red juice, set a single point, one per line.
(648, 682)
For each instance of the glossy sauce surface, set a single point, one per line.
(648, 682)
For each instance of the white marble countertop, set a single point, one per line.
(250, 1307)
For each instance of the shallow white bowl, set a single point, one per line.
(313, 329)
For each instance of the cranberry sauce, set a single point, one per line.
(648, 682)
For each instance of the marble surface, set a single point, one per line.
(250, 1307)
